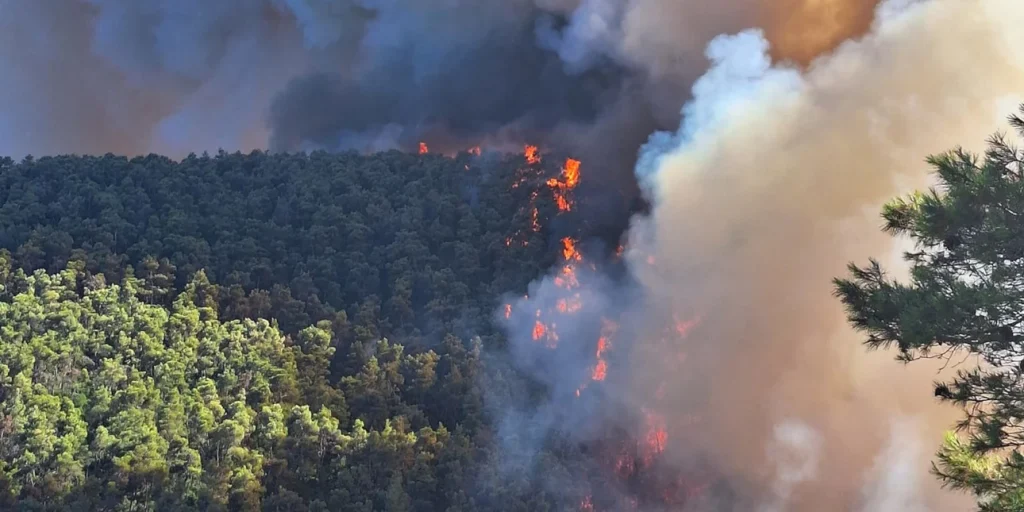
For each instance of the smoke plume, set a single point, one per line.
(769, 187)
(592, 77)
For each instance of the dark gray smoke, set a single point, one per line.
(590, 77)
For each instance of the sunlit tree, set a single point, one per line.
(964, 300)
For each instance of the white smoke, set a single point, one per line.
(795, 450)
(759, 202)
(896, 481)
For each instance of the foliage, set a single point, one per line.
(263, 332)
(409, 247)
(965, 297)
(109, 403)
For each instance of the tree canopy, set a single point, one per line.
(409, 246)
(110, 403)
(964, 299)
(265, 331)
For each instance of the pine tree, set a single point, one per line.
(965, 298)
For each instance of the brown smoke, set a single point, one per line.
(771, 187)
(800, 30)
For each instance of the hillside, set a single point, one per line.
(275, 331)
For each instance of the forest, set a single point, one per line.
(312, 331)
(260, 331)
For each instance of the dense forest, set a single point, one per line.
(262, 331)
(412, 246)
(288, 332)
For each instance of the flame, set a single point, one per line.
(569, 306)
(423, 148)
(539, 330)
(569, 250)
(475, 150)
(632, 452)
(572, 173)
(564, 184)
(567, 279)
(531, 155)
(656, 437)
(683, 328)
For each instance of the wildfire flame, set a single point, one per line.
(531, 155)
(539, 330)
(562, 185)
(570, 305)
(475, 150)
(569, 250)
(423, 148)
(631, 452)
(656, 437)
(683, 328)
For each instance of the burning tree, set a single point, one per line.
(965, 296)
(630, 437)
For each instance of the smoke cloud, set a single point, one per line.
(769, 187)
(591, 77)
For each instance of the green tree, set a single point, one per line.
(965, 297)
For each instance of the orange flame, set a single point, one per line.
(571, 305)
(508, 311)
(423, 148)
(563, 204)
(683, 328)
(530, 153)
(562, 186)
(475, 150)
(569, 250)
(600, 371)
(571, 173)
(656, 438)
(539, 330)
(567, 279)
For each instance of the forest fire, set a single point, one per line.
(562, 187)
(634, 453)
(423, 148)
(569, 251)
(531, 155)
(565, 183)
